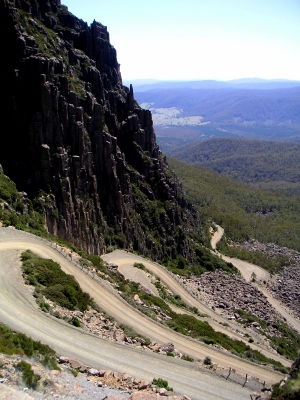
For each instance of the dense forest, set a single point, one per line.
(243, 212)
(262, 164)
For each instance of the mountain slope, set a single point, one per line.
(263, 164)
(245, 213)
(78, 143)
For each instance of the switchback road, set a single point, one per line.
(19, 311)
(247, 269)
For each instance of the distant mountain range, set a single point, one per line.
(144, 85)
(244, 108)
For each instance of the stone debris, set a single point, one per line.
(97, 323)
(285, 288)
(137, 299)
(75, 381)
(284, 285)
(215, 289)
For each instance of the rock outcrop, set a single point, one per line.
(78, 142)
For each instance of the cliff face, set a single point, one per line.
(76, 133)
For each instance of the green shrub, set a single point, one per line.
(130, 332)
(207, 361)
(49, 361)
(75, 321)
(29, 377)
(44, 306)
(74, 372)
(161, 383)
(55, 284)
(8, 190)
(187, 358)
(32, 221)
(289, 391)
(190, 326)
(288, 344)
(139, 266)
(245, 315)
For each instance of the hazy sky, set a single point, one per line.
(200, 39)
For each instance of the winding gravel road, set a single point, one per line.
(19, 311)
(125, 260)
(247, 269)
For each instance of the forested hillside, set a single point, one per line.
(242, 211)
(265, 165)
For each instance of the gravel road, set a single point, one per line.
(137, 275)
(247, 269)
(217, 236)
(19, 311)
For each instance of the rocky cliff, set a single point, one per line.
(77, 140)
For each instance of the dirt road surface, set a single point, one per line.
(247, 269)
(19, 311)
(136, 275)
(124, 259)
(217, 236)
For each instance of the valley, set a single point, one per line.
(187, 112)
(245, 212)
(168, 273)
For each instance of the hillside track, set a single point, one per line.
(19, 311)
(247, 269)
(124, 259)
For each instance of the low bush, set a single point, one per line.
(289, 391)
(53, 283)
(288, 345)
(190, 326)
(130, 332)
(74, 372)
(207, 361)
(75, 321)
(161, 383)
(139, 266)
(187, 358)
(19, 343)
(29, 377)
(245, 315)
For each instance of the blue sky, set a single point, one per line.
(200, 39)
